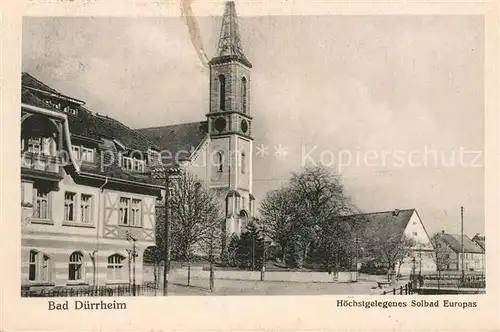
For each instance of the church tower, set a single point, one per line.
(230, 124)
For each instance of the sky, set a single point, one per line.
(393, 104)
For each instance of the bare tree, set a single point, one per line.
(387, 245)
(193, 207)
(441, 254)
(211, 240)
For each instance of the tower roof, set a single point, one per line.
(229, 47)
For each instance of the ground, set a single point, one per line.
(199, 286)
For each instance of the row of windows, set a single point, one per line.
(42, 145)
(470, 256)
(130, 209)
(40, 267)
(220, 162)
(222, 93)
(65, 109)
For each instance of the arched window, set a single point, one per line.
(76, 266)
(39, 266)
(244, 95)
(243, 162)
(116, 270)
(222, 92)
(220, 161)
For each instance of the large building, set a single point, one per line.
(85, 201)
(219, 150)
(87, 195)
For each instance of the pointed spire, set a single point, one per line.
(229, 47)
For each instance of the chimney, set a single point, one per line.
(395, 212)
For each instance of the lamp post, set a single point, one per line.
(132, 239)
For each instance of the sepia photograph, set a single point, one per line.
(251, 155)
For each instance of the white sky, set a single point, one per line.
(365, 84)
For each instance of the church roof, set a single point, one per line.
(180, 140)
(229, 47)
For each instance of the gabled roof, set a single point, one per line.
(454, 242)
(370, 224)
(179, 140)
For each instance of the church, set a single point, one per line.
(219, 149)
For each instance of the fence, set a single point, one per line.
(453, 281)
(147, 289)
(407, 289)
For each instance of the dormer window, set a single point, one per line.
(133, 164)
(69, 110)
(87, 154)
(82, 153)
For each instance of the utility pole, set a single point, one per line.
(420, 260)
(166, 236)
(356, 260)
(462, 239)
(166, 174)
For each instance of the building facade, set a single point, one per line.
(402, 229)
(450, 253)
(219, 150)
(88, 205)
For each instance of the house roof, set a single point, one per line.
(30, 81)
(93, 126)
(454, 242)
(179, 139)
(369, 224)
(85, 123)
